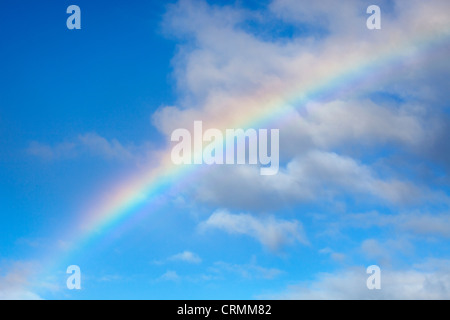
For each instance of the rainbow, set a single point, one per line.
(261, 107)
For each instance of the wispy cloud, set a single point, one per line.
(170, 275)
(415, 223)
(270, 232)
(15, 285)
(419, 283)
(336, 256)
(248, 271)
(89, 144)
(186, 256)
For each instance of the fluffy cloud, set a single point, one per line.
(270, 232)
(335, 123)
(427, 281)
(223, 65)
(226, 72)
(314, 176)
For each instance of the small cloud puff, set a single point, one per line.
(270, 232)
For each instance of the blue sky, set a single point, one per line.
(364, 175)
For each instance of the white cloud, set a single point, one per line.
(247, 271)
(336, 18)
(373, 249)
(110, 278)
(223, 66)
(386, 252)
(416, 223)
(220, 271)
(270, 232)
(417, 283)
(316, 175)
(436, 225)
(333, 123)
(96, 144)
(336, 256)
(331, 173)
(86, 144)
(186, 256)
(170, 276)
